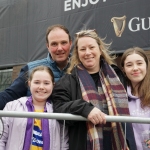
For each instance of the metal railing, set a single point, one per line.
(66, 116)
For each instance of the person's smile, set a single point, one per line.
(89, 59)
(136, 73)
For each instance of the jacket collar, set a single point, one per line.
(51, 61)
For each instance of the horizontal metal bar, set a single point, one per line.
(6, 66)
(66, 116)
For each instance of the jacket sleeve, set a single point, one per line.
(6, 123)
(16, 90)
(67, 98)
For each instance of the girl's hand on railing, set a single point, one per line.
(147, 142)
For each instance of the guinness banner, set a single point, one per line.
(23, 24)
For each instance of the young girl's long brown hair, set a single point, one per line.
(144, 85)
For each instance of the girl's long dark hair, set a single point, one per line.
(144, 85)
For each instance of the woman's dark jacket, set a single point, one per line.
(67, 98)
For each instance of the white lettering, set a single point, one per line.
(36, 140)
(37, 133)
(67, 5)
(137, 25)
(77, 3)
(143, 24)
(91, 1)
(136, 22)
(85, 4)
(72, 4)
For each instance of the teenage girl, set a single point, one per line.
(136, 67)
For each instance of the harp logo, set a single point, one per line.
(119, 25)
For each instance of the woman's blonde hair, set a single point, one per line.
(102, 45)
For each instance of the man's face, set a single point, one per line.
(59, 45)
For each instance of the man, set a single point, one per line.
(59, 43)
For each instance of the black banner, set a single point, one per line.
(23, 24)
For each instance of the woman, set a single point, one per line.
(136, 66)
(28, 133)
(89, 87)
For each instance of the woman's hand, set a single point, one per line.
(96, 116)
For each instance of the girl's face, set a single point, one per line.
(89, 54)
(41, 87)
(135, 68)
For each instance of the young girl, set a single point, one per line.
(28, 133)
(136, 66)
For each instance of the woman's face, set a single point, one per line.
(135, 68)
(89, 54)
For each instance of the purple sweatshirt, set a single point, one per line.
(136, 111)
(15, 128)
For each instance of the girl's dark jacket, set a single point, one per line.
(67, 98)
